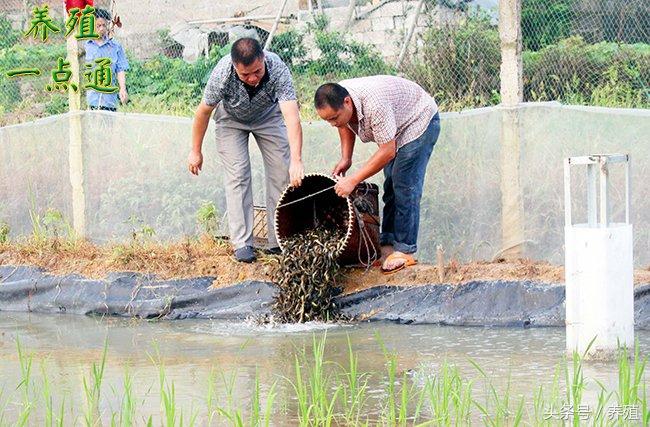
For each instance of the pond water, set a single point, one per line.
(228, 357)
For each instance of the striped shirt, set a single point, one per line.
(390, 107)
(224, 86)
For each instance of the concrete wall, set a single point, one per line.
(19, 12)
(384, 25)
(143, 19)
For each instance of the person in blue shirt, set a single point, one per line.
(106, 47)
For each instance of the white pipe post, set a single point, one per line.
(598, 267)
(592, 190)
(567, 192)
(604, 192)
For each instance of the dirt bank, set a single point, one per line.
(200, 258)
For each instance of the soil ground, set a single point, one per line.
(207, 257)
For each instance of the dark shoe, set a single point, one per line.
(274, 251)
(245, 254)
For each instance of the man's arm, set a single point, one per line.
(121, 82)
(377, 161)
(382, 121)
(291, 114)
(199, 126)
(347, 148)
(121, 66)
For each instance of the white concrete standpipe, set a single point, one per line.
(598, 265)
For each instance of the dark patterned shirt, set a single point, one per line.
(224, 86)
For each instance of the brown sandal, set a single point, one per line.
(408, 261)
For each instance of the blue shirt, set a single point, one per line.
(114, 51)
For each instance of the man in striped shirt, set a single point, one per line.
(403, 120)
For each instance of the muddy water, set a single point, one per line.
(65, 347)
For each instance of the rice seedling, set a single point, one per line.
(323, 393)
(93, 389)
(448, 397)
(354, 387)
(25, 384)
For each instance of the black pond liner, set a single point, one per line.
(478, 303)
(315, 205)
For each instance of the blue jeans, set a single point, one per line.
(404, 177)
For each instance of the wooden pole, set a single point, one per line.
(275, 25)
(512, 210)
(407, 40)
(440, 259)
(75, 152)
(234, 20)
(350, 17)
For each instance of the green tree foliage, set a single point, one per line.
(545, 22)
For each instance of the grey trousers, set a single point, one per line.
(270, 133)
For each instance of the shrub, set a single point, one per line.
(339, 57)
(4, 232)
(9, 35)
(289, 47)
(545, 23)
(459, 64)
(42, 56)
(603, 73)
(208, 218)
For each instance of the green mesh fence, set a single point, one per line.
(586, 52)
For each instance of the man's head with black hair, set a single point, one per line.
(103, 13)
(102, 20)
(245, 51)
(248, 60)
(334, 104)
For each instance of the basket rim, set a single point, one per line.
(348, 233)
